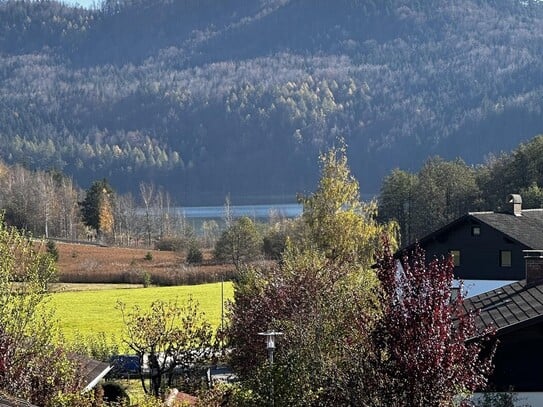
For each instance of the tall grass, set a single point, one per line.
(181, 275)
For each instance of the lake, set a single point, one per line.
(260, 212)
(197, 215)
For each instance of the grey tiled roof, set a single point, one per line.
(6, 401)
(508, 308)
(526, 229)
(92, 370)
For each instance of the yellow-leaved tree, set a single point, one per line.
(319, 295)
(338, 224)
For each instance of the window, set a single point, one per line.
(505, 258)
(475, 230)
(456, 257)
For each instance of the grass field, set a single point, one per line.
(89, 312)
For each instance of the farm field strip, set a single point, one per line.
(86, 313)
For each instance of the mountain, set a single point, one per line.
(210, 98)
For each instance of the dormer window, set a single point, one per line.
(475, 230)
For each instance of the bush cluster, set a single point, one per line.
(171, 244)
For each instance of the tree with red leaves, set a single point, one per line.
(424, 346)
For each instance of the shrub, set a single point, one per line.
(146, 279)
(231, 394)
(182, 275)
(171, 244)
(274, 244)
(504, 399)
(194, 255)
(115, 393)
(51, 248)
(148, 256)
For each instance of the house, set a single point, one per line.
(488, 245)
(92, 370)
(516, 313)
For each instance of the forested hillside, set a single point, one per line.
(215, 97)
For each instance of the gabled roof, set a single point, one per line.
(92, 370)
(526, 229)
(509, 307)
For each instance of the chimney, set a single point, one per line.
(534, 267)
(515, 204)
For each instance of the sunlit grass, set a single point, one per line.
(86, 313)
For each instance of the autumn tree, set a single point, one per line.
(423, 342)
(167, 336)
(147, 192)
(338, 224)
(323, 282)
(33, 366)
(210, 229)
(97, 207)
(126, 219)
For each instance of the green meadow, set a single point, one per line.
(85, 313)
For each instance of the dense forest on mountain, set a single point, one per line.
(210, 98)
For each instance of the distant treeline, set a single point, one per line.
(442, 191)
(49, 204)
(209, 98)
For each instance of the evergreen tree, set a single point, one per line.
(239, 243)
(97, 207)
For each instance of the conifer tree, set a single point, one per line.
(97, 207)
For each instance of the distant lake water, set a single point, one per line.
(260, 212)
(197, 215)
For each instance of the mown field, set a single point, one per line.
(92, 311)
(94, 279)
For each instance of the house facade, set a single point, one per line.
(488, 245)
